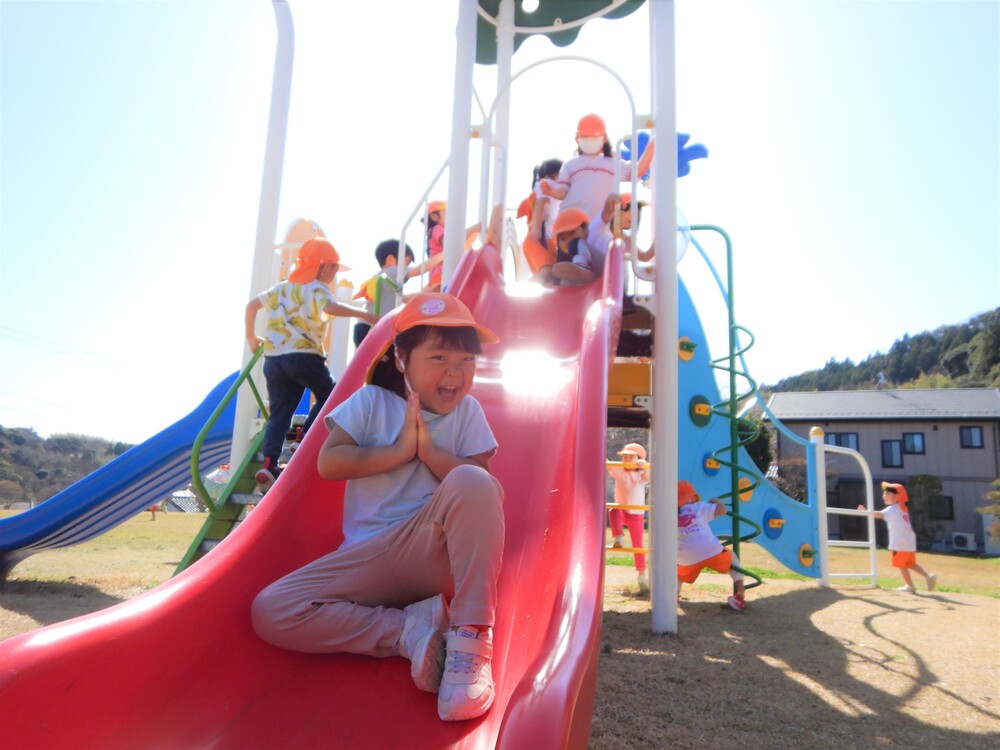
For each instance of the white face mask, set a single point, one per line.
(590, 145)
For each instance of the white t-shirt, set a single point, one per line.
(901, 536)
(373, 417)
(589, 179)
(630, 487)
(695, 539)
(551, 208)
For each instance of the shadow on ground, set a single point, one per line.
(802, 669)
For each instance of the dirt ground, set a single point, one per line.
(803, 667)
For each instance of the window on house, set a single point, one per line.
(913, 442)
(971, 436)
(942, 508)
(892, 454)
(842, 439)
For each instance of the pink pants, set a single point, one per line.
(351, 600)
(618, 518)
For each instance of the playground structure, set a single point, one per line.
(545, 389)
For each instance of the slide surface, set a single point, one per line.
(135, 480)
(180, 665)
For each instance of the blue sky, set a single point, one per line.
(854, 160)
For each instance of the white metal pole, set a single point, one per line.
(501, 120)
(458, 173)
(817, 437)
(245, 427)
(340, 336)
(663, 514)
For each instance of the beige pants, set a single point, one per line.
(351, 600)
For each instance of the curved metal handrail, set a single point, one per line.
(197, 485)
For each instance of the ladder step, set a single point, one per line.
(244, 499)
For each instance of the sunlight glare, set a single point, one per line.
(533, 372)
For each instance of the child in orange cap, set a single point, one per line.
(902, 540)
(294, 357)
(630, 489)
(423, 518)
(576, 259)
(587, 179)
(698, 547)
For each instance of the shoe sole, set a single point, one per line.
(472, 714)
(427, 670)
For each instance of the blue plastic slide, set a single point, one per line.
(137, 479)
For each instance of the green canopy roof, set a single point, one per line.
(548, 14)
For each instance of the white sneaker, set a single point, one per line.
(618, 541)
(642, 578)
(467, 685)
(931, 581)
(907, 588)
(422, 641)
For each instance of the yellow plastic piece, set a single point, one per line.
(776, 523)
(807, 554)
(685, 349)
(745, 494)
(628, 380)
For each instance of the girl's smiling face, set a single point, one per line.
(441, 376)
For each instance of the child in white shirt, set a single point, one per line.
(423, 518)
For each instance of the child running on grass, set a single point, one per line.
(417, 573)
(902, 540)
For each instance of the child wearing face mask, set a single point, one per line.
(417, 573)
(586, 180)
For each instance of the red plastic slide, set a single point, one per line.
(180, 666)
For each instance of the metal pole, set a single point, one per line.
(663, 515)
(458, 175)
(244, 426)
(816, 436)
(501, 120)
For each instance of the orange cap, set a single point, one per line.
(897, 489)
(590, 126)
(568, 220)
(434, 206)
(686, 493)
(314, 253)
(627, 198)
(635, 449)
(432, 309)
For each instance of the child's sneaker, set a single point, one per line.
(642, 578)
(931, 581)
(736, 604)
(267, 474)
(907, 588)
(618, 541)
(422, 641)
(467, 685)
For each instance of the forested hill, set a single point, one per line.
(966, 355)
(33, 469)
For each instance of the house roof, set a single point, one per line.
(934, 403)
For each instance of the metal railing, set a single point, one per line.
(197, 484)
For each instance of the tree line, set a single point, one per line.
(33, 469)
(966, 355)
